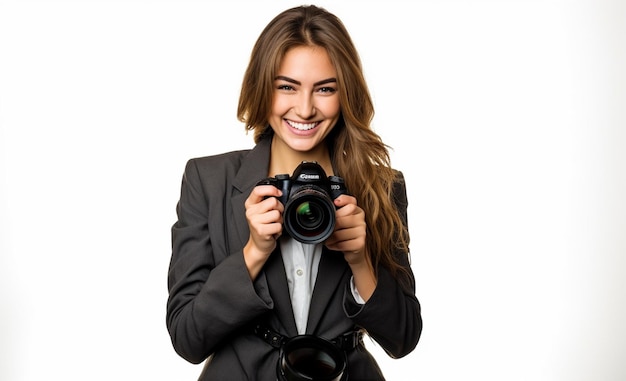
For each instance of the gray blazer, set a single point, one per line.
(213, 303)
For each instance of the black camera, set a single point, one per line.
(308, 195)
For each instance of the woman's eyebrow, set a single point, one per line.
(291, 80)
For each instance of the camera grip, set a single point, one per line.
(279, 181)
(337, 186)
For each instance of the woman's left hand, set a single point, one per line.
(350, 230)
(349, 237)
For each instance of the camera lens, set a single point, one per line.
(309, 215)
(308, 357)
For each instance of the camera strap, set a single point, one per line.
(346, 342)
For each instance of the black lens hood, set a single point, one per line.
(310, 358)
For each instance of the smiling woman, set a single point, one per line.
(229, 243)
(506, 117)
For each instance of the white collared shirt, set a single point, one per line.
(301, 266)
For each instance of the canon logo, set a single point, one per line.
(304, 176)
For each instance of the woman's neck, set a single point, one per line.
(284, 160)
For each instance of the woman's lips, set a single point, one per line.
(302, 126)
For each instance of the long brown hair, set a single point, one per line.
(357, 152)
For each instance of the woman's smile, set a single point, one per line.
(302, 127)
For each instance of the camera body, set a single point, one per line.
(308, 195)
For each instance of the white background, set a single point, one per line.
(507, 118)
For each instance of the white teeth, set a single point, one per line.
(301, 126)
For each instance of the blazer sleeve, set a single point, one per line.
(392, 315)
(211, 294)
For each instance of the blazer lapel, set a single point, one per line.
(279, 289)
(331, 269)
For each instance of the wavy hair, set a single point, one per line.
(358, 154)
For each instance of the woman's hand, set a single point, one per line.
(264, 214)
(349, 237)
(350, 230)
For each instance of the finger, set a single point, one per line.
(346, 234)
(261, 192)
(346, 246)
(265, 217)
(269, 231)
(344, 200)
(256, 205)
(347, 211)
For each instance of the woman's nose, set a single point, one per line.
(305, 108)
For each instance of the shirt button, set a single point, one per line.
(299, 272)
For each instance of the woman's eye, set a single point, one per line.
(285, 87)
(327, 90)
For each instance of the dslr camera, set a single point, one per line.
(308, 195)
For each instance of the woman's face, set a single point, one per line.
(305, 106)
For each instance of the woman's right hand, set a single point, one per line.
(264, 214)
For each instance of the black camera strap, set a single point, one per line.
(346, 342)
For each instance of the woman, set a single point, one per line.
(240, 285)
